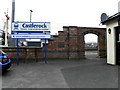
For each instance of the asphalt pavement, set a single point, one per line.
(92, 72)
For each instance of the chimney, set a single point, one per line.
(119, 6)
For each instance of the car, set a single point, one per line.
(5, 61)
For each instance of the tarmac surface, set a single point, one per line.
(92, 72)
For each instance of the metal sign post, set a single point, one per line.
(45, 52)
(31, 30)
(17, 52)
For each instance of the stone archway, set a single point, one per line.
(101, 41)
(91, 46)
(76, 43)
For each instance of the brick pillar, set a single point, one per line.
(102, 46)
(81, 47)
(73, 42)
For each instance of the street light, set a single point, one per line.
(31, 14)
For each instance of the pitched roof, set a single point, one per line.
(115, 16)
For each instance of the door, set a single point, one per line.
(118, 45)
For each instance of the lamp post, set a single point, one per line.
(31, 14)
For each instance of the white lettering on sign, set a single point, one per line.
(34, 25)
(31, 36)
(30, 26)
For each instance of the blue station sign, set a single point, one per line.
(30, 30)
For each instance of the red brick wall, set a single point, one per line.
(68, 44)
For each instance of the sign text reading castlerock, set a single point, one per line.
(31, 30)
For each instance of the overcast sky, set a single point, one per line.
(84, 13)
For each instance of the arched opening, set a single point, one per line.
(91, 45)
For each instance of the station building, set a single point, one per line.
(113, 39)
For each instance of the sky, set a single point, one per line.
(82, 13)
